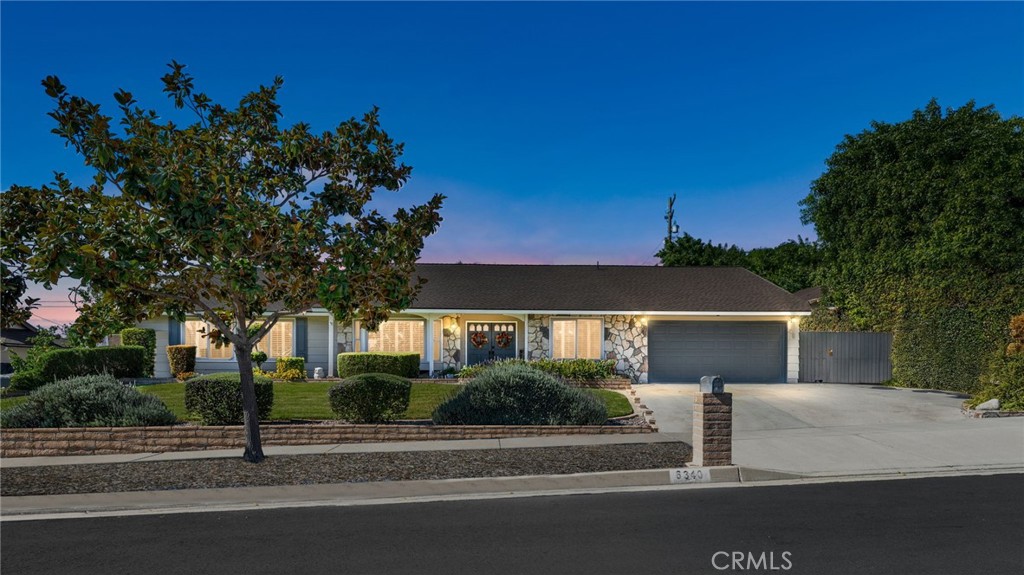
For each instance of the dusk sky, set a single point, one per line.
(557, 131)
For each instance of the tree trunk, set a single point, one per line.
(253, 445)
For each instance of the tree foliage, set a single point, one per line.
(15, 308)
(791, 265)
(921, 224)
(227, 214)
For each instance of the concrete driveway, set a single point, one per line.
(834, 428)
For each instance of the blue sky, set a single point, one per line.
(557, 130)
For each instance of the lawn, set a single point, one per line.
(308, 400)
(9, 402)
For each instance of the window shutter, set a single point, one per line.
(173, 331)
(301, 337)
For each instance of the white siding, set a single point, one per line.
(161, 367)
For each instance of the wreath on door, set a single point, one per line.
(478, 339)
(503, 339)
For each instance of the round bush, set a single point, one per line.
(370, 397)
(88, 401)
(217, 399)
(516, 394)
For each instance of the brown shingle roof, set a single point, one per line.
(810, 294)
(605, 288)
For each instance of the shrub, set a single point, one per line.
(186, 375)
(217, 399)
(945, 348)
(182, 359)
(370, 397)
(400, 364)
(291, 368)
(88, 401)
(290, 375)
(58, 364)
(577, 370)
(1004, 376)
(146, 338)
(1003, 380)
(517, 394)
(258, 357)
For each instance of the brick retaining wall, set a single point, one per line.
(107, 440)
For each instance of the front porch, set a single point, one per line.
(449, 341)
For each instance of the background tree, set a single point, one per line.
(228, 216)
(922, 228)
(15, 308)
(792, 265)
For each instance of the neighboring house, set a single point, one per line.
(15, 340)
(659, 324)
(811, 295)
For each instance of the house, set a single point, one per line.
(659, 324)
(17, 340)
(14, 340)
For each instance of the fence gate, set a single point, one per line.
(845, 357)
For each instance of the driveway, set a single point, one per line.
(835, 428)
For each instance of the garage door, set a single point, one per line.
(683, 351)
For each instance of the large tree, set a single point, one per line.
(228, 215)
(922, 227)
(792, 265)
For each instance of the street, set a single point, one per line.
(934, 526)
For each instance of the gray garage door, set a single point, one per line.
(682, 351)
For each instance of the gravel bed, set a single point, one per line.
(340, 468)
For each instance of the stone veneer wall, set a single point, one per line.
(107, 440)
(451, 342)
(625, 341)
(538, 339)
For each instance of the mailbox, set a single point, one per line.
(712, 384)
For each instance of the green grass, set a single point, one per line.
(426, 397)
(308, 400)
(9, 402)
(616, 403)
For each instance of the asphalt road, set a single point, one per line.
(936, 526)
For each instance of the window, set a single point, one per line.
(204, 348)
(576, 338)
(401, 336)
(279, 342)
(397, 336)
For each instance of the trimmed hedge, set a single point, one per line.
(945, 348)
(217, 399)
(576, 370)
(517, 394)
(291, 368)
(400, 364)
(182, 359)
(88, 401)
(58, 364)
(370, 397)
(146, 338)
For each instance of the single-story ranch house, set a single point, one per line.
(659, 324)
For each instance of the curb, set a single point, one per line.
(48, 507)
